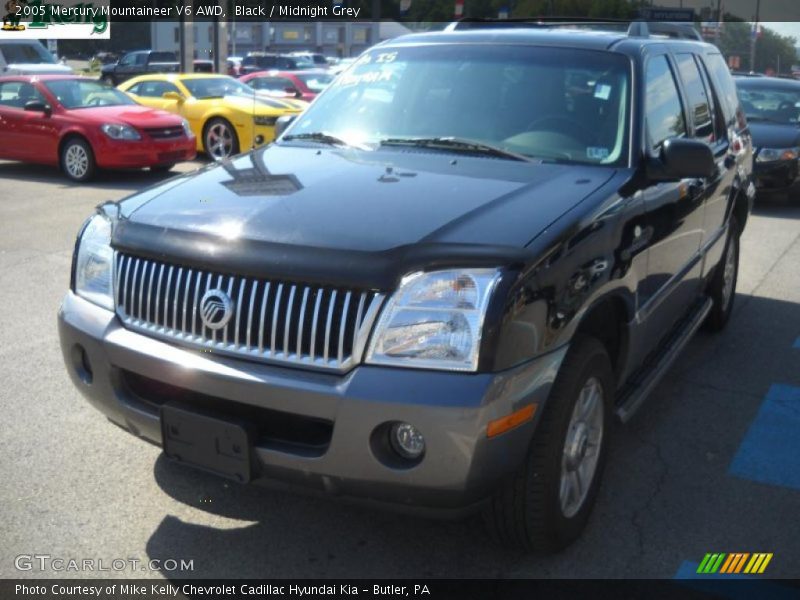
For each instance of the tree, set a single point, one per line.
(772, 49)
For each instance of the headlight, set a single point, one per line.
(267, 121)
(120, 132)
(434, 320)
(773, 154)
(93, 265)
(187, 129)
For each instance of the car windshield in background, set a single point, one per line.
(217, 87)
(80, 93)
(32, 53)
(315, 82)
(763, 101)
(551, 104)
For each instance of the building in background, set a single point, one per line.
(331, 38)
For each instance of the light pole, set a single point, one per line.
(754, 37)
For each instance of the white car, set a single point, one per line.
(28, 57)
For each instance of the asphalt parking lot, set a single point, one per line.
(709, 465)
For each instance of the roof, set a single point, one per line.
(575, 35)
(45, 77)
(768, 82)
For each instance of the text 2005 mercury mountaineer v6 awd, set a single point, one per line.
(440, 283)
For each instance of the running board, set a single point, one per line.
(636, 392)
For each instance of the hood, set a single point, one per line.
(136, 115)
(283, 207)
(37, 69)
(774, 135)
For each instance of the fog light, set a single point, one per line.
(259, 139)
(406, 440)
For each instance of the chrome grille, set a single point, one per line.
(274, 321)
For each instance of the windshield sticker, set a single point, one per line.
(602, 91)
(596, 152)
(368, 77)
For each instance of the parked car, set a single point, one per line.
(772, 107)
(28, 57)
(440, 283)
(319, 60)
(226, 115)
(138, 63)
(203, 66)
(80, 125)
(262, 61)
(234, 65)
(304, 85)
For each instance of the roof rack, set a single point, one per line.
(635, 28)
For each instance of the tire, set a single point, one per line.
(108, 79)
(219, 139)
(162, 168)
(527, 513)
(77, 159)
(722, 287)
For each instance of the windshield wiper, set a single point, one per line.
(455, 144)
(317, 136)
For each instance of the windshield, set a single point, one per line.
(32, 53)
(316, 82)
(216, 87)
(772, 104)
(544, 103)
(80, 93)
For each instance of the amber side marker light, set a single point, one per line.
(498, 426)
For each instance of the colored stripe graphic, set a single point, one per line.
(768, 453)
(711, 563)
(758, 563)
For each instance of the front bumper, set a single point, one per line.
(778, 175)
(115, 154)
(461, 466)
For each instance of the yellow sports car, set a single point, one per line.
(226, 115)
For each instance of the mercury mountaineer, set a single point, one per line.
(441, 283)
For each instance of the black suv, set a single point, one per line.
(439, 286)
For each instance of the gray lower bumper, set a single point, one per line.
(461, 466)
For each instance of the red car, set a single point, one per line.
(304, 85)
(81, 124)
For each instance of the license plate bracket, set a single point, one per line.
(215, 444)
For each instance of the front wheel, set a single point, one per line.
(77, 159)
(546, 505)
(219, 139)
(722, 288)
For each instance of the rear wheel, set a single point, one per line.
(219, 139)
(722, 288)
(546, 505)
(77, 159)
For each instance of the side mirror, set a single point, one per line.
(173, 96)
(292, 91)
(38, 106)
(282, 124)
(683, 159)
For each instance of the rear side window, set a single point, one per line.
(663, 109)
(699, 105)
(16, 94)
(726, 88)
